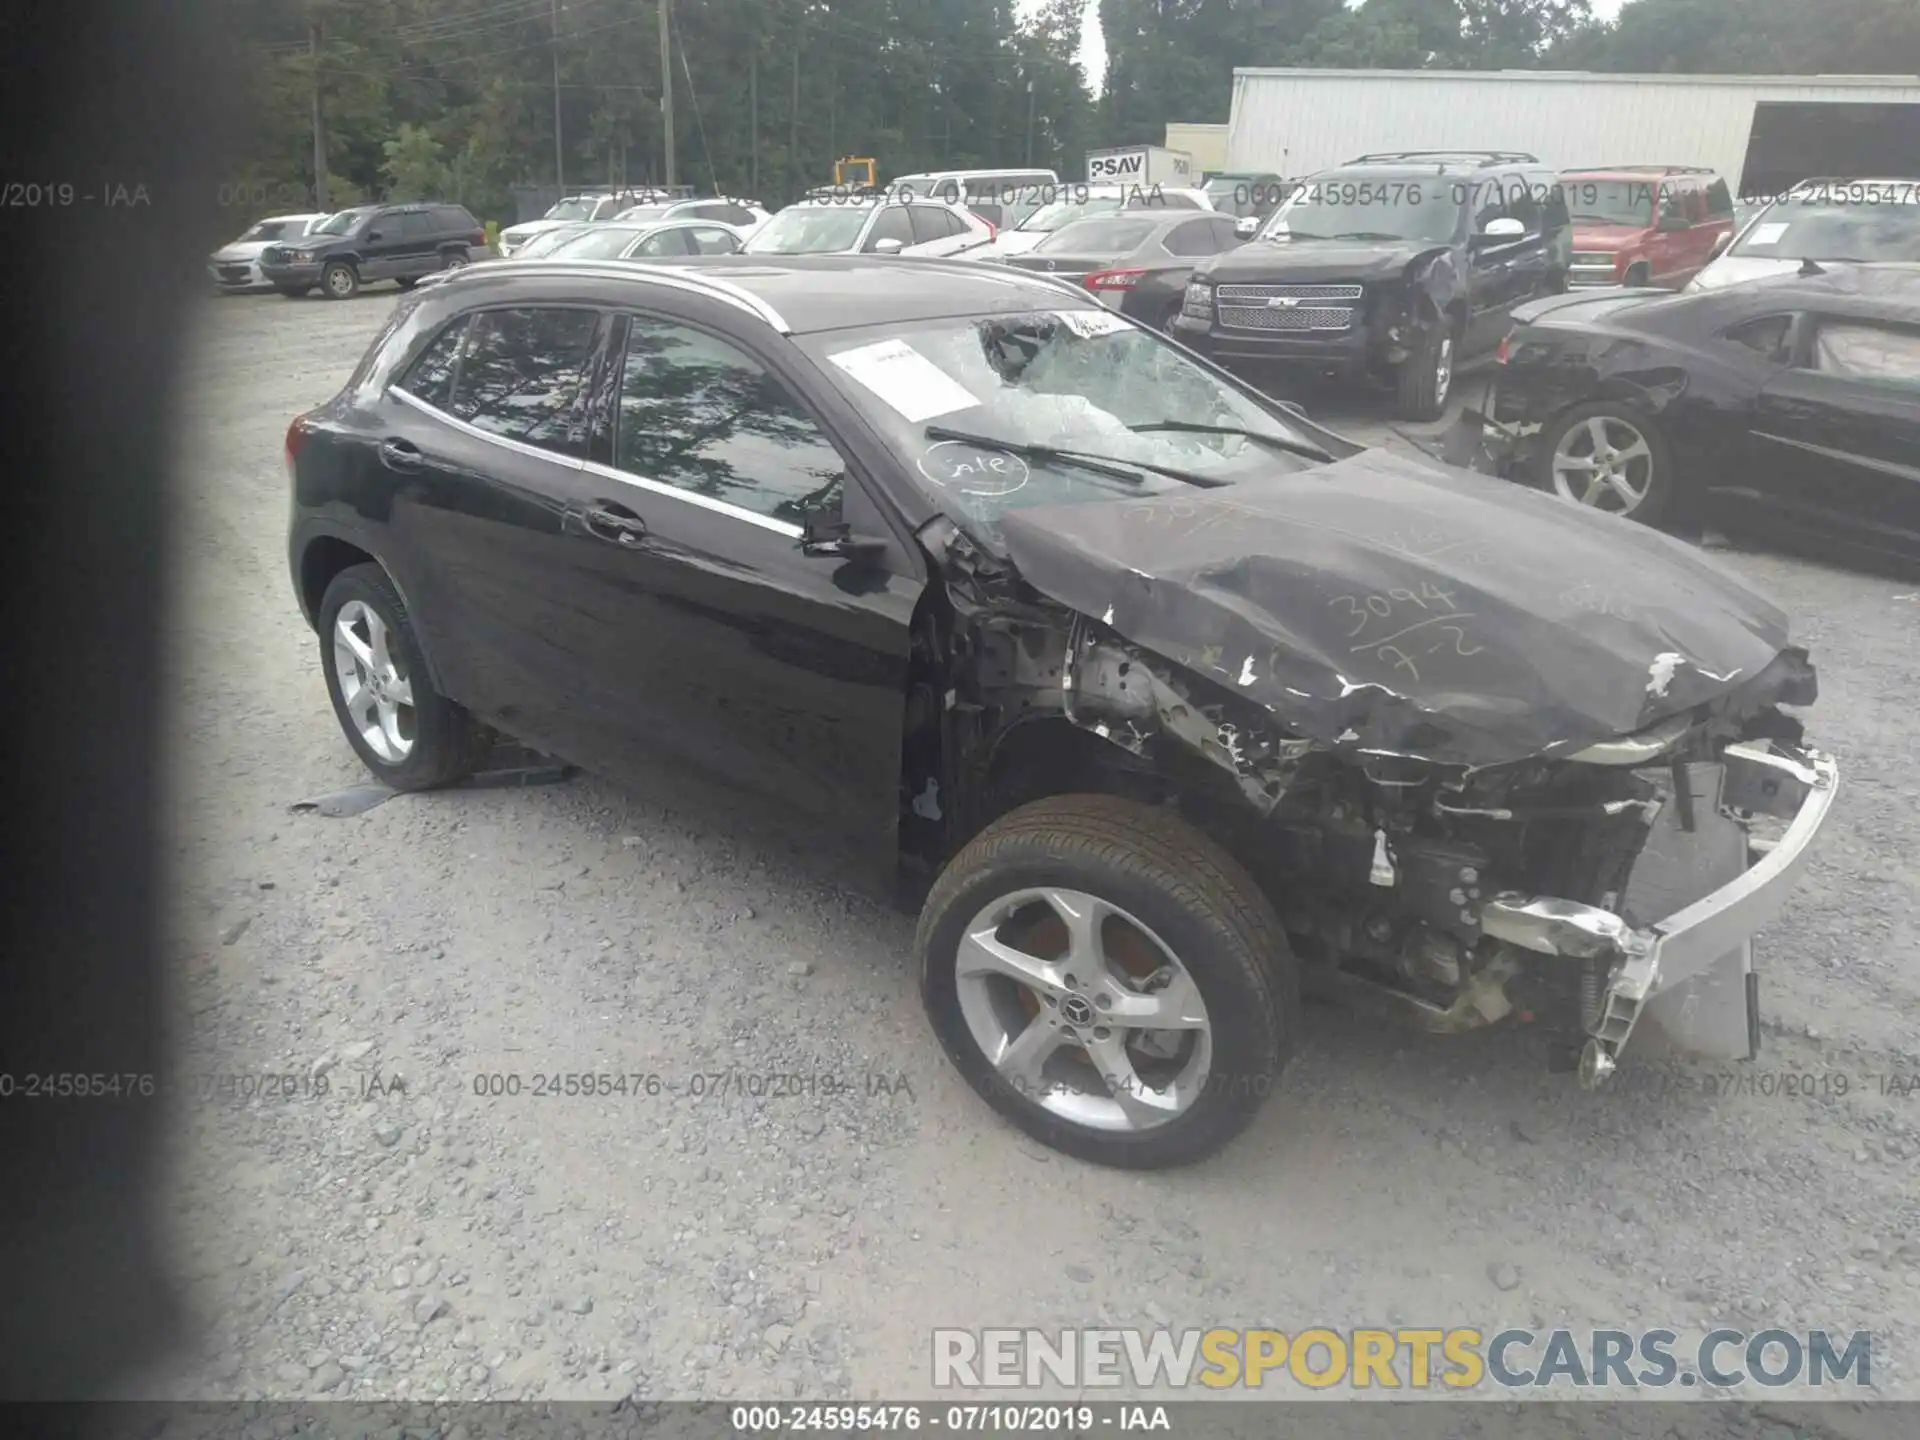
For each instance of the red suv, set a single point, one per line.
(1645, 224)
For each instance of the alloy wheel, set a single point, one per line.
(1083, 1010)
(375, 690)
(1604, 462)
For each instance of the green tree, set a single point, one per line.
(413, 169)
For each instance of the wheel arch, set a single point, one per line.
(322, 556)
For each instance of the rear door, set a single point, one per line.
(487, 440)
(713, 636)
(1837, 433)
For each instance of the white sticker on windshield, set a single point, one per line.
(1091, 323)
(1767, 234)
(906, 380)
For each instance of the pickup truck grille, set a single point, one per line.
(1591, 268)
(1287, 307)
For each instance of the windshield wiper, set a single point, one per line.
(1128, 470)
(1279, 442)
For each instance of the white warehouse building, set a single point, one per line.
(1761, 132)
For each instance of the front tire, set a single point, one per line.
(408, 734)
(340, 281)
(1424, 382)
(1610, 456)
(1074, 914)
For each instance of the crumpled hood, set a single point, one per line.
(1392, 604)
(1290, 262)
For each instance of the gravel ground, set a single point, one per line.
(405, 1237)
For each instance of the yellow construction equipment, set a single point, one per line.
(855, 170)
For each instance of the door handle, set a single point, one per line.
(607, 521)
(401, 455)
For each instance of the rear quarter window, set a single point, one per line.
(436, 369)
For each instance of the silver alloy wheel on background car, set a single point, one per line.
(1073, 1033)
(374, 687)
(451, 261)
(340, 281)
(1605, 463)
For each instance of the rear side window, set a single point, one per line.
(660, 244)
(1719, 200)
(1195, 237)
(414, 225)
(521, 372)
(431, 377)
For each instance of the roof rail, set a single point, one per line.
(1647, 169)
(1497, 156)
(690, 278)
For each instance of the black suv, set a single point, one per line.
(1395, 266)
(375, 242)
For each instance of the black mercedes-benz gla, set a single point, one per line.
(1173, 702)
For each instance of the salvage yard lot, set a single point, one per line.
(410, 1233)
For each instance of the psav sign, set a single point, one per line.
(1125, 165)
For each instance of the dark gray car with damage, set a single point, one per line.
(1170, 704)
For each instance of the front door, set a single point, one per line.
(1837, 434)
(716, 637)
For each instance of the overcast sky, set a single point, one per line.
(1093, 49)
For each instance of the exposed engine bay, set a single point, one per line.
(1418, 869)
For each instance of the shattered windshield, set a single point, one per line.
(1085, 381)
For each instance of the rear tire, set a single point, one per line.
(339, 281)
(1424, 382)
(1189, 903)
(429, 741)
(1630, 446)
(453, 260)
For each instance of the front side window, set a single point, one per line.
(1767, 334)
(1083, 380)
(521, 373)
(1862, 350)
(704, 416)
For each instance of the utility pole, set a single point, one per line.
(1029, 123)
(793, 115)
(559, 150)
(753, 113)
(666, 96)
(319, 125)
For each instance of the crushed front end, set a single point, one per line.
(1595, 892)
(1489, 755)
